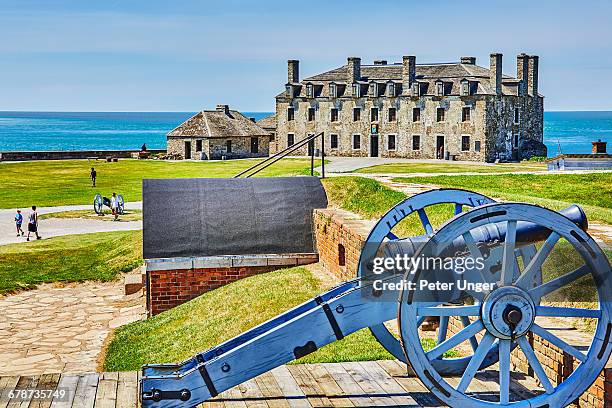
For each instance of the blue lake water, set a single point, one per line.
(573, 131)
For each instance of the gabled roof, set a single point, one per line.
(426, 74)
(218, 123)
(269, 122)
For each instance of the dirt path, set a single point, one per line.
(56, 329)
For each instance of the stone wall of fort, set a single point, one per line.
(502, 128)
(216, 148)
(489, 130)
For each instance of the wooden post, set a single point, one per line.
(322, 155)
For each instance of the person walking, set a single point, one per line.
(92, 176)
(115, 206)
(18, 223)
(33, 223)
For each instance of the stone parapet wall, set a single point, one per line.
(71, 154)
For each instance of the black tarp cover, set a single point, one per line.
(207, 217)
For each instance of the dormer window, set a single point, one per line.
(391, 89)
(310, 91)
(373, 89)
(333, 90)
(465, 88)
(416, 89)
(439, 88)
(289, 89)
(356, 90)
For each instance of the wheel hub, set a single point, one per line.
(508, 312)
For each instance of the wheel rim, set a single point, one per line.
(98, 203)
(120, 204)
(520, 291)
(383, 231)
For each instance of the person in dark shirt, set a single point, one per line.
(92, 176)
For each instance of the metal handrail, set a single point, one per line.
(283, 153)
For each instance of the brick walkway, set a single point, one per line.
(62, 329)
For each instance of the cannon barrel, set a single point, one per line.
(526, 233)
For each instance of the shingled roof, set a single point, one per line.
(426, 74)
(219, 123)
(269, 122)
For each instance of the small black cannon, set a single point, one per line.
(100, 201)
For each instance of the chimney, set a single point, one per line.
(599, 147)
(522, 66)
(353, 73)
(293, 71)
(408, 72)
(496, 72)
(532, 75)
(380, 62)
(468, 60)
(223, 108)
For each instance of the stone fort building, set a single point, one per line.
(420, 111)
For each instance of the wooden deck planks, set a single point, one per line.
(353, 384)
(46, 382)
(127, 390)
(85, 394)
(295, 396)
(6, 385)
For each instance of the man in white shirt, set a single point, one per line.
(115, 206)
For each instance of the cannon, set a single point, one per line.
(513, 241)
(100, 202)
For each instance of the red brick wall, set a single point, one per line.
(170, 288)
(334, 228)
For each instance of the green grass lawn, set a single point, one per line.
(128, 215)
(72, 258)
(216, 316)
(63, 182)
(223, 313)
(450, 167)
(371, 200)
(361, 195)
(556, 191)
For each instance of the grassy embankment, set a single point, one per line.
(593, 192)
(65, 182)
(450, 167)
(72, 258)
(224, 313)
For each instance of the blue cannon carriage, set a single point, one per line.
(100, 202)
(514, 240)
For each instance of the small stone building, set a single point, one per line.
(269, 125)
(217, 134)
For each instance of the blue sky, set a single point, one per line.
(184, 55)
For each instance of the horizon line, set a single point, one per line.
(249, 111)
